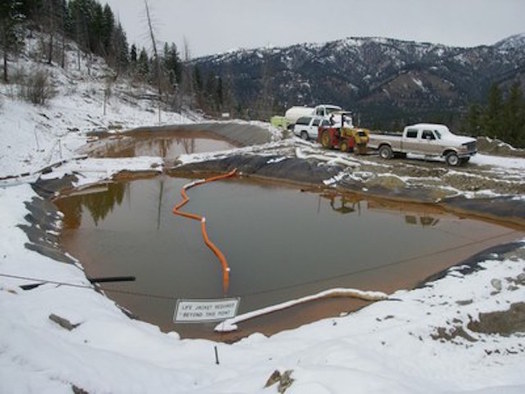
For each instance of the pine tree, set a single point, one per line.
(172, 64)
(78, 11)
(133, 53)
(65, 22)
(119, 56)
(228, 101)
(474, 120)
(493, 114)
(92, 26)
(143, 63)
(500, 118)
(52, 17)
(512, 119)
(209, 94)
(96, 28)
(197, 79)
(220, 93)
(11, 17)
(107, 29)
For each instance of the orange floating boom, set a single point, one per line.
(209, 244)
(220, 256)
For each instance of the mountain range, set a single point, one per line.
(385, 81)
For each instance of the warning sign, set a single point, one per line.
(197, 311)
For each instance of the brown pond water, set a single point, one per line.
(165, 144)
(281, 244)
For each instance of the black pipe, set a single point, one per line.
(31, 286)
(91, 280)
(112, 279)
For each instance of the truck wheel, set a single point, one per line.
(304, 135)
(385, 152)
(343, 146)
(452, 159)
(326, 140)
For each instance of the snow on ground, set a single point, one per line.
(418, 341)
(91, 171)
(497, 161)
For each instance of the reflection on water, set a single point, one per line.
(280, 243)
(159, 143)
(99, 201)
(344, 203)
(421, 220)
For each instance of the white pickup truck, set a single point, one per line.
(425, 139)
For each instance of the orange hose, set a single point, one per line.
(219, 254)
(209, 244)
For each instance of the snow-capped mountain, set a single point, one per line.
(515, 42)
(383, 79)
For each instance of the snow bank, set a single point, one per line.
(231, 324)
(91, 171)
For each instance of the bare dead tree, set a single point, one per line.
(187, 75)
(156, 58)
(154, 46)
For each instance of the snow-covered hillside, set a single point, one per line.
(430, 340)
(52, 132)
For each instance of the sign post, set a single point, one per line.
(200, 311)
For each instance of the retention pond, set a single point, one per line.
(168, 143)
(281, 244)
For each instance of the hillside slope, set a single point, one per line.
(86, 98)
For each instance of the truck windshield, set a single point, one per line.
(329, 110)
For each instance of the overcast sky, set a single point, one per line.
(214, 26)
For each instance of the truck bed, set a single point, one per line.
(392, 133)
(394, 139)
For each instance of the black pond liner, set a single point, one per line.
(472, 264)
